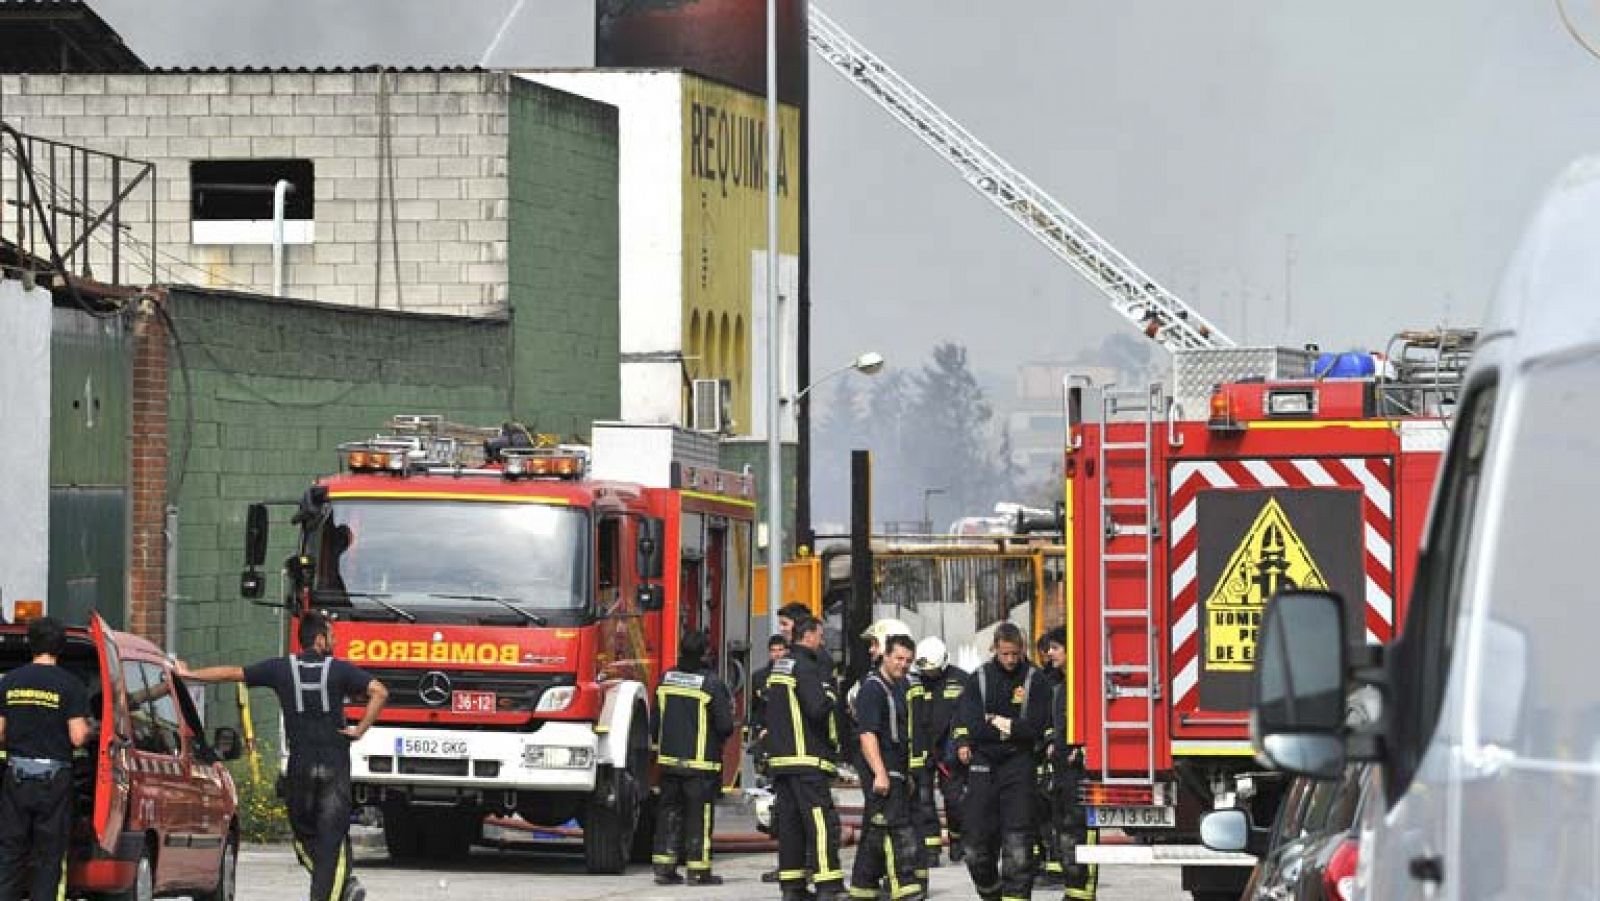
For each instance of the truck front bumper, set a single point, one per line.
(558, 757)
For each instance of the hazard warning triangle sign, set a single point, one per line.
(1270, 558)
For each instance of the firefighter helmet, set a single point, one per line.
(880, 631)
(932, 655)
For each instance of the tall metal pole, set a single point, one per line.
(774, 339)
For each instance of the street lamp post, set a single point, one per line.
(869, 363)
(774, 337)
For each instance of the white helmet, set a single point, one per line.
(883, 628)
(932, 655)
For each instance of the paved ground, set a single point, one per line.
(270, 874)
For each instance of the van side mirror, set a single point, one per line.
(652, 533)
(226, 743)
(1229, 830)
(1298, 710)
(1225, 830)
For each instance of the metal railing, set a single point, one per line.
(70, 210)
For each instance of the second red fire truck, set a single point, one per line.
(1184, 514)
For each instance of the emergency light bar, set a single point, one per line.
(561, 462)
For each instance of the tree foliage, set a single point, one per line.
(933, 437)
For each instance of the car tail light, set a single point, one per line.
(1339, 879)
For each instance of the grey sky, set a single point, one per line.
(1402, 145)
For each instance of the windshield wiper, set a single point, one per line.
(534, 618)
(375, 597)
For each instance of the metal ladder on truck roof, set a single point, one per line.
(1134, 294)
(1129, 678)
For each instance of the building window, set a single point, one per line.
(230, 201)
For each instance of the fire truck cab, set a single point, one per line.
(520, 598)
(1262, 469)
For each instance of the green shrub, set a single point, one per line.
(262, 816)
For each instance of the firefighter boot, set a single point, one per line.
(668, 875)
(704, 877)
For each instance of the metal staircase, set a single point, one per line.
(1152, 309)
(1130, 533)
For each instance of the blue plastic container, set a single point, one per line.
(1352, 364)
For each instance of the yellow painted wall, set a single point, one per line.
(725, 222)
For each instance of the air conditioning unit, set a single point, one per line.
(709, 403)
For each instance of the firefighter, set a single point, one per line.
(693, 719)
(888, 847)
(44, 713)
(939, 687)
(777, 649)
(999, 719)
(1072, 823)
(312, 688)
(788, 615)
(802, 749)
(1052, 656)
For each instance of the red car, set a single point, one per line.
(156, 810)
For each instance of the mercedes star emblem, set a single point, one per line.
(434, 689)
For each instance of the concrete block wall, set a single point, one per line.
(564, 252)
(273, 388)
(448, 142)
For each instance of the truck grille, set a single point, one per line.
(514, 692)
(431, 766)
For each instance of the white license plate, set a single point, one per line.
(1137, 817)
(410, 746)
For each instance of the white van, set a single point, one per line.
(1489, 740)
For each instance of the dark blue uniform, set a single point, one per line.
(1000, 788)
(888, 847)
(312, 690)
(37, 700)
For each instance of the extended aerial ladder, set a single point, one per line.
(1139, 298)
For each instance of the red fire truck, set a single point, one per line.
(1184, 513)
(520, 598)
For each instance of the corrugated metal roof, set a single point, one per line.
(60, 36)
(315, 70)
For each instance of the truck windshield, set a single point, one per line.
(416, 554)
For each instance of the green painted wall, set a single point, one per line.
(89, 424)
(739, 453)
(563, 258)
(274, 387)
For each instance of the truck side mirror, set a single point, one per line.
(652, 532)
(252, 582)
(1298, 710)
(255, 535)
(650, 598)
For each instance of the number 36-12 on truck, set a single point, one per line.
(520, 598)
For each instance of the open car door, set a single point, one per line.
(111, 768)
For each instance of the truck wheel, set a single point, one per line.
(606, 831)
(644, 825)
(402, 835)
(644, 832)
